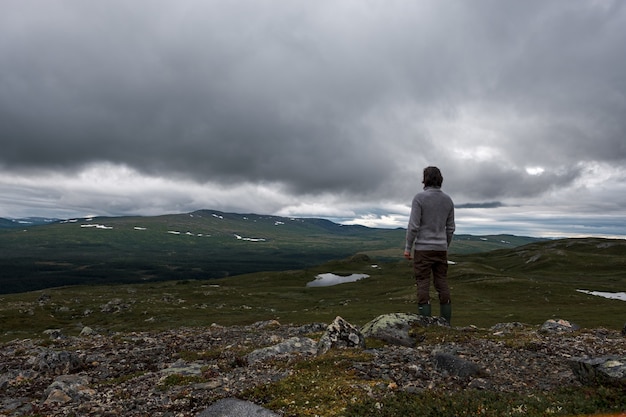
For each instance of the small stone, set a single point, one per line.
(87, 331)
(456, 366)
(54, 333)
(480, 384)
(57, 396)
(558, 326)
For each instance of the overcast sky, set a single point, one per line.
(325, 108)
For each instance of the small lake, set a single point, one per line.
(326, 280)
(611, 295)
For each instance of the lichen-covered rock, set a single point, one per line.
(340, 334)
(610, 369)
(558, 326)
(505, 328)
(302, 345)
(180, 367)
(67, 388)
(395, 328)
(57, 363)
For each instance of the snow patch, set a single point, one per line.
(250, 239)
(97, 226)
(612, 295)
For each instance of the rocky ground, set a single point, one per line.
(182, 372)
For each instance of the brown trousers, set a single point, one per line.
(425, 263)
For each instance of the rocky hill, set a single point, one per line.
(394, 362)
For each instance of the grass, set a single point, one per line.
(487, 289)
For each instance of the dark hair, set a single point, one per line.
(432, 177)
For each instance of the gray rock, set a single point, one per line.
(610, 369)
(265, 324)
(43, 299)
(312, 328)
(456, 366)
(480, 384)
(340, 334)
(232, 407)
(114, 306)
(67, 388)
(503, 328)
(54, 333)
(180, 367)
(57, 363)
(87, 331)
(558, 326)
(394, 328)
(289, 346)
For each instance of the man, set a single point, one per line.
(429, 233)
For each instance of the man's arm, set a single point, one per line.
(450, 226)
(413, 227)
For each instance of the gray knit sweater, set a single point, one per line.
(431, 224)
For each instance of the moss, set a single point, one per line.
(178, 380)
(321, 386)
(566, 402)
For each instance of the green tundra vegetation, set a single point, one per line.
(529, 283)
(150, 274)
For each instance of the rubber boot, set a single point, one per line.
(446, 312)
(423, 309)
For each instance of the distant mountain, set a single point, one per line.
(201, 245)
(25, 222)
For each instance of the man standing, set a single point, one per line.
(429, 234)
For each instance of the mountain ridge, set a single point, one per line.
(203, 244)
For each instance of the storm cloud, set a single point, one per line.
(305, 108)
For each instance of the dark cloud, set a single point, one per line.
(349, 98)
(490, 204)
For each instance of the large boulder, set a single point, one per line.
(395, 328)
(611, 369)
(340, 334)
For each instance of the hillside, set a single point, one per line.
(501, 286)
(201, 245)
(181, 345)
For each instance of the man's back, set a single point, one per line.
(431, 225)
